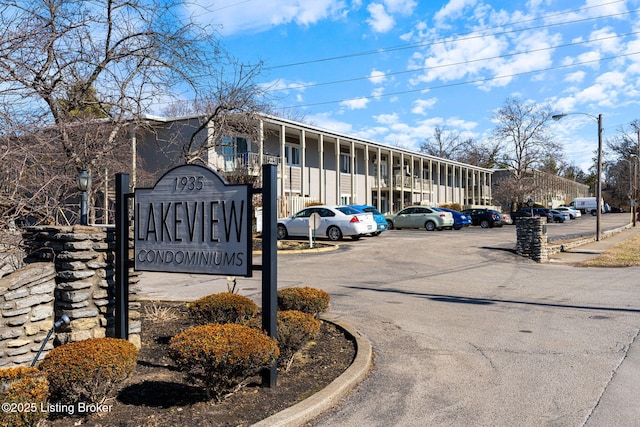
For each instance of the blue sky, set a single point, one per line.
(392, 70)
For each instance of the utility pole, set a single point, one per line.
(635, 182)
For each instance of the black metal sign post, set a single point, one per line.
(122, 256)
(269, 263)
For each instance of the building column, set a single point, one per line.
(379, 175)
(283, 164)
(321, 181)
(261, 144)
(303, 160)
(338, 173)
(352, 167)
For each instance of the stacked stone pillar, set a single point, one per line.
(531, 236)
(83, 288)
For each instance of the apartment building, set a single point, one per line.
(320, 165)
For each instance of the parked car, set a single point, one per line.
(460, 220)
(550, 214)
(559, 216)
(573, 213)
(335, 223)
(529, 212)
(377, 216)
(485, 218)
(506, 219)
(420, 217)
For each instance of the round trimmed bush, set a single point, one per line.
(222, 357)
(225, 307)
(89, 370)
(29, 390)
(308, 300)
(295, 329)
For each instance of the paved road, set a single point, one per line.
(466, 333)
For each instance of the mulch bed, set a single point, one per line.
(157, 394)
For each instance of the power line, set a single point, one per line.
(464, 36)
(453, 64)
(466, 82)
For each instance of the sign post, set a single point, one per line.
(269, 263)
(122, 256)
(314, 224)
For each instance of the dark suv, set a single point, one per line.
(485, 218)
(526, 213)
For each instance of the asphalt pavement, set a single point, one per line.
(465, 332)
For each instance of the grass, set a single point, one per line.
(624, 254)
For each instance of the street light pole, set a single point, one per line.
(599, 182)
(599, 169)
(83, 180)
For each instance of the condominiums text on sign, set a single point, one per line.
(192, 221)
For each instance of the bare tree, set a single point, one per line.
(480, 153)
(444, 143)
(525, 144)
(78, 75)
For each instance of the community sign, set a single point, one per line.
(193, 221)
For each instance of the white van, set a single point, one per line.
(586, 205)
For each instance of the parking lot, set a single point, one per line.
(465, 332)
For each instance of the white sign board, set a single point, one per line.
(192, 221)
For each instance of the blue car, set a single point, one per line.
(380, 220)
(459, 219)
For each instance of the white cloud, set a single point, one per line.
(236, 17)
(380, 21)
(402, 7)
(377, 77)
(453, 9)
(324, 121)
(386, 119)
(355, 104)
(576, 77)
(420, 105)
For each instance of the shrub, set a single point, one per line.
(89, 370)
(28, 390)
(454, 206)
(221, 358)
(294, 329)
(225, 307)
(308, 300)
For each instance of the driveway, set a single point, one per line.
(467, 333)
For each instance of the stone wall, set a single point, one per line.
(80, 284)
(27, 304)
(531, 238)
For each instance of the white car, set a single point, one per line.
(573, 213)
(335, 223)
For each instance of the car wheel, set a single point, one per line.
(334, 233)
(377, 233)
(389, 225)
(355, 237)
(430, 225)
(457, 228)
(281, 233)
(485, 223)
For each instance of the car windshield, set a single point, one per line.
(348, 210)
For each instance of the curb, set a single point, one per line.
(323, 400)
(569, 244)
(327, 248)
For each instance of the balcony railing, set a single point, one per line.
(250, 161)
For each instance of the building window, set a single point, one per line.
(345, 163)
(292, 155)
